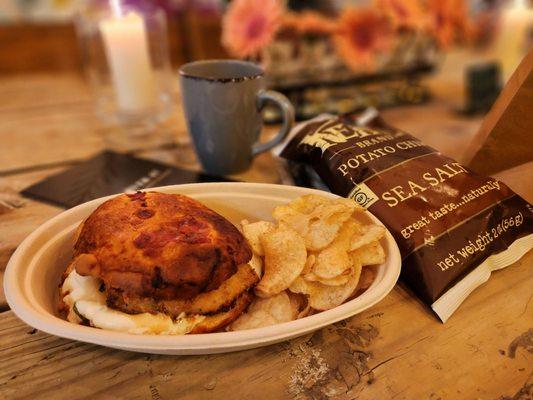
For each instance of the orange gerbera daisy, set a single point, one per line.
(406, 14)
(310, 22)
(448, 21)
(361, 34)
(290, 21)
(463, 22)
(248, 25)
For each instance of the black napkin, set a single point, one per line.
(109, 173)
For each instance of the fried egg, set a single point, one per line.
(84, 299)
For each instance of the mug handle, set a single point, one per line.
(287, 111)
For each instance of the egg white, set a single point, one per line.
(83, 297)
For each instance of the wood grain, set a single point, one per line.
(395, 350)
(20, 216)
(23, 93)
(55, 49)
(437, 125)
(203, 32)
(58, 127)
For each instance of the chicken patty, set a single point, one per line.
(205, 303)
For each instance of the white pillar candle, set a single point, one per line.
(516, 26)
(126, 47)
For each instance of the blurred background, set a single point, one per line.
(449, 57)
(312, 50)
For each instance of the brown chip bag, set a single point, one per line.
(447, 220)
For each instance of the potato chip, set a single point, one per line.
(285, 257)
(350, 203)
(327, 297)
(309, 203)
(265, 312)
(318, 219)
(298, 301)
(320, 234)
(323, 297)
(366, 234)
(311, 258)
(282, 308)
(257, 264)
(325, 223)
(299, 285)
(335, 281)
(253, 231)
(305, 312)
(295, 219)
(342, 279)
(334, 260)
(332, 212)
(369, 254)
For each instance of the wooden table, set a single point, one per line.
(397, 349)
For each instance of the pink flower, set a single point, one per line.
(250, 25)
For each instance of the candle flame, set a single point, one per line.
(116, 8)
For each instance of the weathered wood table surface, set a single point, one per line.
(397, 349)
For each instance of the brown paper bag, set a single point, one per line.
(505, 138)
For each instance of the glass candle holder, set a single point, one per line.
(124, 47)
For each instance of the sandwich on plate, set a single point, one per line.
(155, 263)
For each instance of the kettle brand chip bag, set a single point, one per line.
(453, 226)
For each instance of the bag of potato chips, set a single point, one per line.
(453, 226)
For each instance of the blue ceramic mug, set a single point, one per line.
(222, 100)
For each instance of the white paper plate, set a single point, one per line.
(33, 273)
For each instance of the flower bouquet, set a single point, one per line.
(364, 56)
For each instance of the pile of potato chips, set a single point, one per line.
(311, 260)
